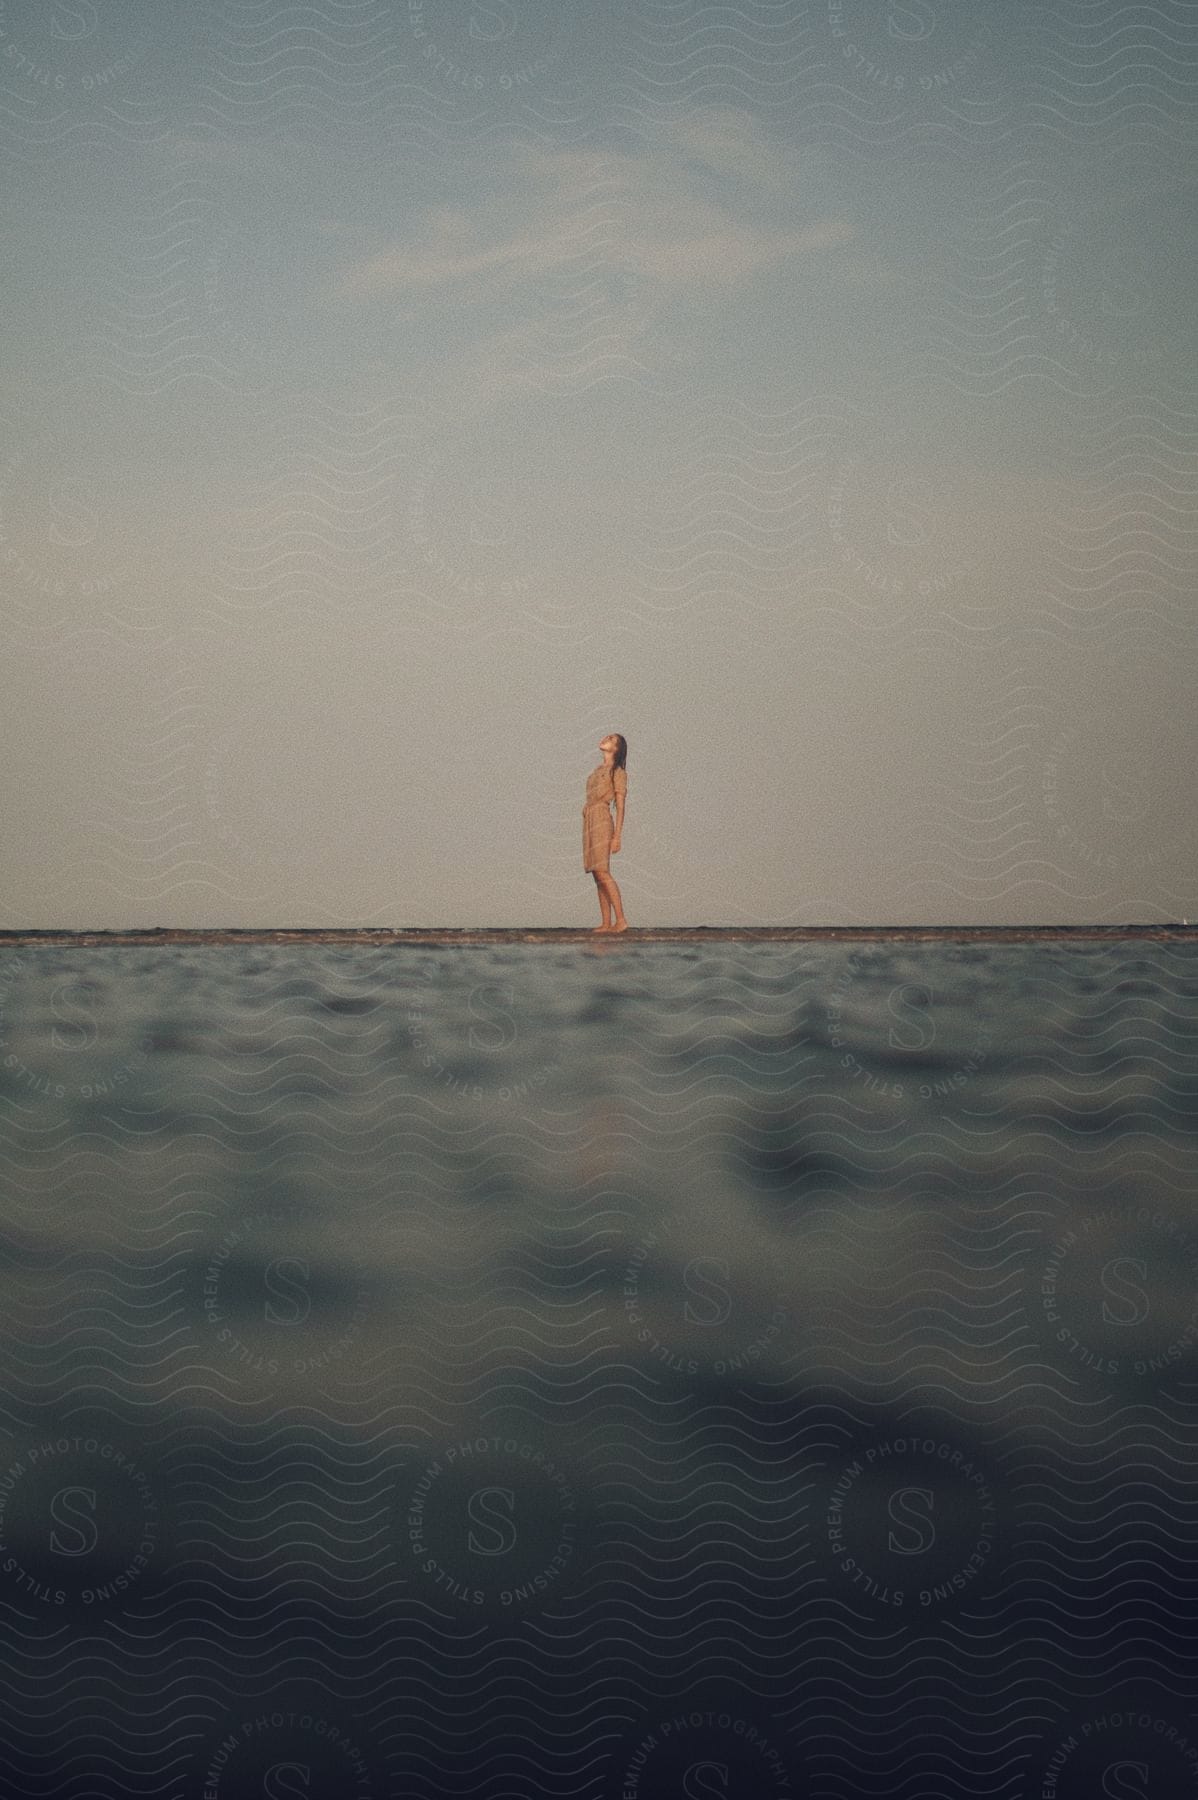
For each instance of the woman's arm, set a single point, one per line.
(619, 788)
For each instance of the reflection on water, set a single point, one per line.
(599, 1370)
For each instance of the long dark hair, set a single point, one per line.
(621, 757)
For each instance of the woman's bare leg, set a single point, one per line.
(604, 906)
(607, 885)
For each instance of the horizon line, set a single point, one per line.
(464, 935)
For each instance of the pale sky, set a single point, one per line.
(399, 395)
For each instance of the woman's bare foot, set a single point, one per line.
(620, 925)
(595, 928)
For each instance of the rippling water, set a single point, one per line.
(602, 1370)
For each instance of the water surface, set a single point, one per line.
(599, 1369)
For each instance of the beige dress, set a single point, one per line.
(603, 784)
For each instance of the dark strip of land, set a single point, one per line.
(468, 935)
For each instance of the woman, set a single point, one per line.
(606, 783)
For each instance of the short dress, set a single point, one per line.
(598, 830)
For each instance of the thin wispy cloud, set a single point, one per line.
(652, 212)
(731, 143)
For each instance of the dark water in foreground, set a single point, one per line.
(599, 1371)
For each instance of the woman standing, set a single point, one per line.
(606, 783)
